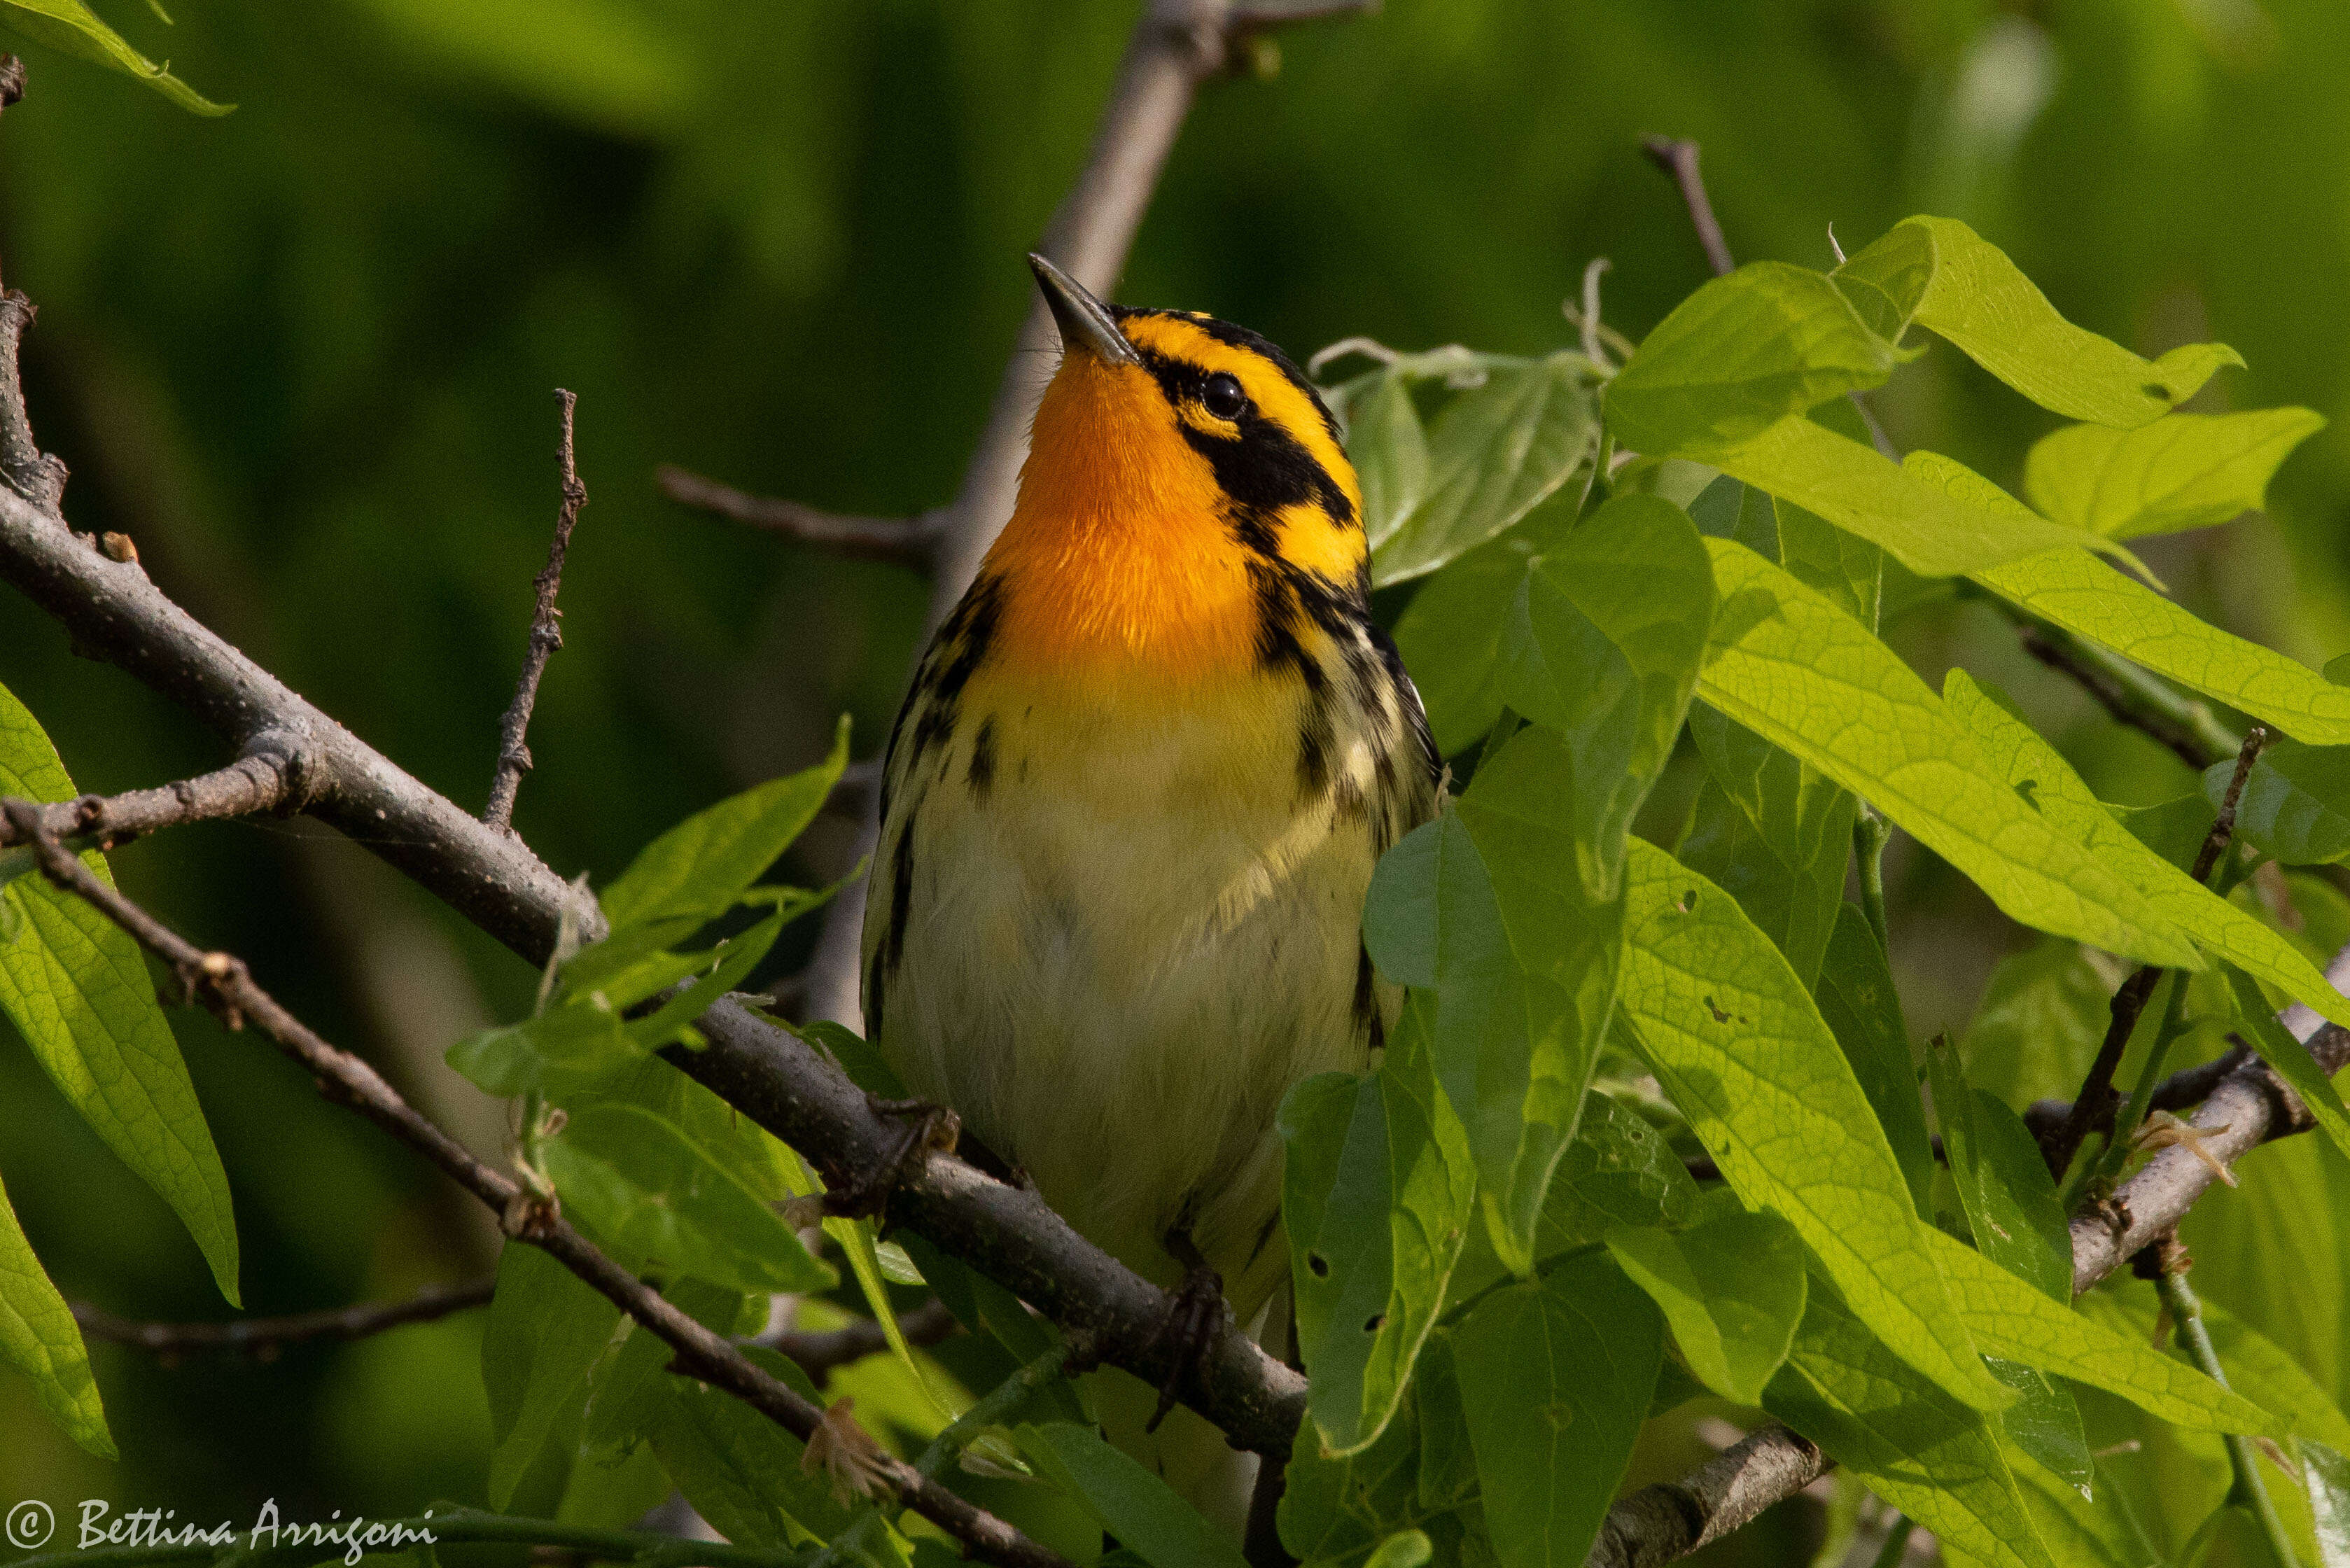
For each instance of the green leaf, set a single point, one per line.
(2184, 471)
(1887, 281)
(74, 28)
(1910, 508)
(2296, 802)
(1740, 1047)
(649, 1190)
(1448, 1460)
(625, 1386)
(1564, 949)
(1390, 451)
(1452, 633)
(2221, 927)
(2087, 598)
(1406, 1548)
(1378, 1190)
(2289, 1057)
(548, 1329)
(39, 1335)
(1806, 677)
(1132, 1504)
(1619, 1172)
(1744, 352)
(2044, 1424)
(1857, 1002)
(2010, 1319)
(2002, 1181)
(1732, 1289)
(2258, 1368)
(1930, 1456)
(76, 986)
(739, 1470)
(580, 1042)
(1850, 571)
(2043, 1016)
(1335, 1508)
(702, 866)
(1991, 312)
(1555, 1378)
(1604, 644)
(1495, 453)
(1772, 831)
(737, 957)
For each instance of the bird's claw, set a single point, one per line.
(926, 1126)
(1196, 1314)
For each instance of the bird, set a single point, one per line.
(1131, 806)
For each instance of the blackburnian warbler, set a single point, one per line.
(1133, 800)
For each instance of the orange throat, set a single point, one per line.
(1118, 560)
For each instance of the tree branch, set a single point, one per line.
(1673, 1519)
(2130, 694)
(222, 983)
(905, 541)
(1679, 159)
(24, 466)
(266, 1337)
(260, 781)
(546, 634)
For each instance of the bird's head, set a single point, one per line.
(1178, 465)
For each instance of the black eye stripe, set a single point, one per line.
(1264, 467)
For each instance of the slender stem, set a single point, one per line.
(2247, 1490)
(2132, 695)
(545, 633)
(1679, 159)
(2117, 1152)
(455, 1527)
(1870, 833)
(265, 1336)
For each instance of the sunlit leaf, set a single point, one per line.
(1887, 281)
(2184, 471)
(1390, 451)
(1744, 352)
(39, 1336)
(1739, 1045)
(2086, 596)
(1804, 675)
(76, 987)
(1998, 319)
(73, 28)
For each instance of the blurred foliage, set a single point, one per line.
(303, 355)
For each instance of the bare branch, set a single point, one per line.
(2186, 728)
(2097, 1101)
(258, 782)
(1673, 1519)
(265, 1338)
(222, 983)
(25, 467)
(546, 634)
(1679, 159)
(906, 541)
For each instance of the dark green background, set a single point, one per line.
(303, 355)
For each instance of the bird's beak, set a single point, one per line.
(1086, 322)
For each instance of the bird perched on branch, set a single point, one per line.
(1134, 798)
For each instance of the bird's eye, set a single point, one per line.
(1224, 396)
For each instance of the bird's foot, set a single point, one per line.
(925, 1127)
(1196, 1315)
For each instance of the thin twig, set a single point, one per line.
(2167, 1263)
(907, 541)
(2186, 727)
(2095, 1104)
(25, 467)
(819, 1350)
(1588, 319)
(258, 782)
(222, 983)
(1679, 159)
(545, 633)
(265, 1338)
